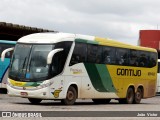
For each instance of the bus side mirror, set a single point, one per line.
(51, 54)
(4, 53)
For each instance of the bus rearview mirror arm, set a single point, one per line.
(4, 53)
(51, 54)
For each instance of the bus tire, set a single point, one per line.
(138, 96)
(101, 101)
(34, 100)
(70, 97)
(129, 97)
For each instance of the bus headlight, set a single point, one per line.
(46, 85)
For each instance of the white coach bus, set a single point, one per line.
(67, 67)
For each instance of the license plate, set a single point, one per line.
(24, 93)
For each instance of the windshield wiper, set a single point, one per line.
(24, 63)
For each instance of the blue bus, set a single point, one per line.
(4, 44)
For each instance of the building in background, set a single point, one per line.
(9, 31)
(151, 38)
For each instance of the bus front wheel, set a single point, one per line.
(34, 100)
(70, 97)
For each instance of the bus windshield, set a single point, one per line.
(30, 62)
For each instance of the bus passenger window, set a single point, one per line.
(5, 46)
(122, 56)
(107, 58)
(108, 55)
(152, 60)
(143, 59)
(91, 53)
(79, 53)
(99, 55)
(133, 59)
(56, 64)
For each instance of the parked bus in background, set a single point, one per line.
(158, 78)
(4, 44)
(66, 67)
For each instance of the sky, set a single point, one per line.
(119, 20)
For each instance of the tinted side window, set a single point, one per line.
(99, 55)
(92, 50)
(59, 58)
(143, 59)
(94, 54)
(152, 59)
(109, 55)
(66, 48)
(121, 56)
(79, 53)
(133, 58)
(5, 46)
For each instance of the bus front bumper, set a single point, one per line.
(42, 93)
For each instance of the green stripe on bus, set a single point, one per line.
(100, 77)
(94, 77)
(93, 42)
(81, 40)
(105, 77)
(86, 41)
(32, 84)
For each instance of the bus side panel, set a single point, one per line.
(4, 72)
(125, 76)
(94, 78)
(101, 81)
(100, 77)
(158, 83)
(77, 74)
